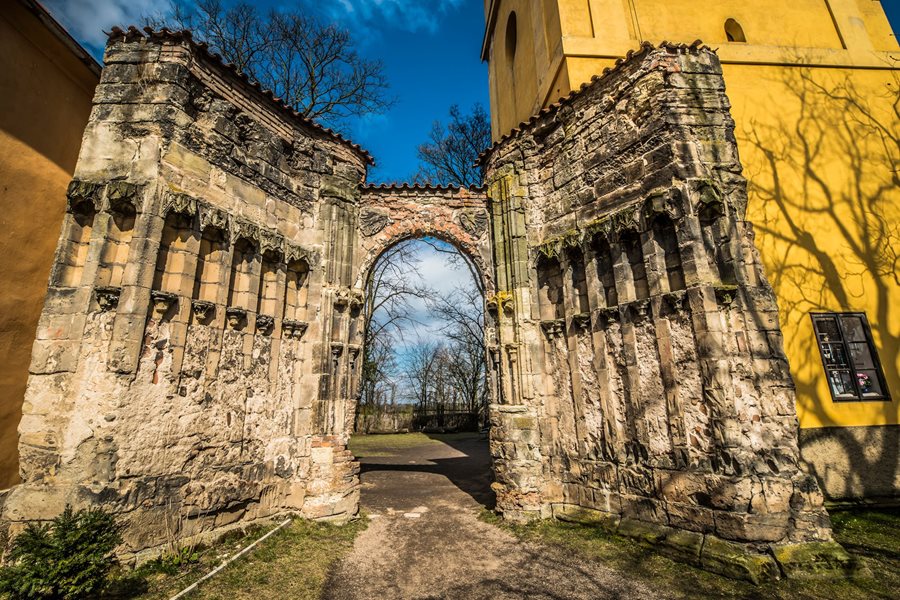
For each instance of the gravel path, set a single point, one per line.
(426, 542)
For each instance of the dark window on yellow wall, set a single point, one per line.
(849, 356)
(512, 37)
(734, 32)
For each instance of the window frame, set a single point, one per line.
(885, 395)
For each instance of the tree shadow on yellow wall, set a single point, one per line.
(824, 185)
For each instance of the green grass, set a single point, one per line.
(391, 444)
(873, 535)
(294, 563)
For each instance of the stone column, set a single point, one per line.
(574, 326)
(613, 435)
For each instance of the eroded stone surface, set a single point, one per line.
(198, 356)
(642, 373)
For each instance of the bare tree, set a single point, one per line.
(449, 155)
(422, 366)
(393, 285)
(440, 376)
(312, 66)
(798, 191)
(463, 314)
(377, 402)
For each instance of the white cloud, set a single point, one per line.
(410, 15)
(436, 271)
(86, 20)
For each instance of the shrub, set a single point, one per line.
(69, 558)
(172, 561)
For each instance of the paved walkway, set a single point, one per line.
(426, 542)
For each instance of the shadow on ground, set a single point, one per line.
(470, 468)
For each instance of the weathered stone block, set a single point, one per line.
(586, 516)
(737, 561)
(769, 527)
(813, 560)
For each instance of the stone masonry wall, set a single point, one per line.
(647, 389)
(181, 374)
(198, 356)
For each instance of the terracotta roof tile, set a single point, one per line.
(418, 187)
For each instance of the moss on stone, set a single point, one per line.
(737, 561)
(572, 513)
(815, 559)
(646, 533)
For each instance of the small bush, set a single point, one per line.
(68, 559)
(172, 561)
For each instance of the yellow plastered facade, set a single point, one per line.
(813, 91)
(42, 119)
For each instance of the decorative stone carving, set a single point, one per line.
(357, 298)
(582, 321)
(473, 222)
(245, 230)
(725, 294)
(553, 327)
(162, 302)
(202, 309)
(637, 310)
(664, 202)
(84, 191)
(345, 297)
(673, 302)
(235, 317)
(353, 353)
(709, 194)
(501, 301)
(180, 203)
(120, 196)
(214, 218)
(108, 297)
(293, 252)
(294, 329)
(372, 221)
(608, 314)
(270, 242)
(265, 324)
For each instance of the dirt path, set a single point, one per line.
(426, 542)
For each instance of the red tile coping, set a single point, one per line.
(421, 187)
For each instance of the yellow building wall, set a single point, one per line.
(43, 112)
(826, 207)
(827, 215)
(519, 83)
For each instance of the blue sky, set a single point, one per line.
(430, 49)
(892, 8)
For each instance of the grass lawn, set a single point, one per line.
(294, 563)
(873, 535)
(388, 444)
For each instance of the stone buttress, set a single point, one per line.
(184, 373)
(645, 387)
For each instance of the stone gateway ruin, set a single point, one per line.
(197, 360)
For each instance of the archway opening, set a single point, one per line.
(422, 406)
